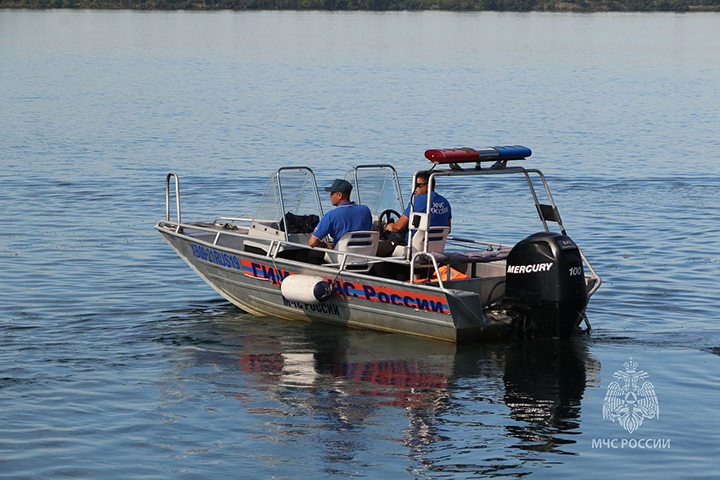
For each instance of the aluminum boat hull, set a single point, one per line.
(252, 282)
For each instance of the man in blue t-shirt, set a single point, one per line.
(347, 217)
(440, 211)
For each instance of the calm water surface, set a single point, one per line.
(117, 361)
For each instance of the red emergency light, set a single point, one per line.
(452, 155)
(486, 154)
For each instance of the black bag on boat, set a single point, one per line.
(299, 223)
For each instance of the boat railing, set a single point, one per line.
(242, 218)
(419, 255)
(177, 197)
(547, 213)
(487, 245)
(274, 246)
(552, 214)
(594, 275)
(346, 256)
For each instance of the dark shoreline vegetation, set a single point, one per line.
(378, 5)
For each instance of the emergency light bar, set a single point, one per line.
(486, 154)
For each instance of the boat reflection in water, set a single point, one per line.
(544, 386)
(358, 398)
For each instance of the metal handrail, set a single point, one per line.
(526, 173)
(412, 210)
(536, 200)
(278, 243)
(177, 198)
(461, 173)
(498, 245)
(594, 274)
(435, 266)
(562, 227)
(234, 219)
(550, 197)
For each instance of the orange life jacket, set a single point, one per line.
(454, 275)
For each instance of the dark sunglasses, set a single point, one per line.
(420, 185)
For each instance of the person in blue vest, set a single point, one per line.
(347, 217)
(440, 211)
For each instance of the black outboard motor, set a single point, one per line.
(545, 280)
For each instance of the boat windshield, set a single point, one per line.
(375, 186)
(294, 189)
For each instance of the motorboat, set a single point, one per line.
(436, 286)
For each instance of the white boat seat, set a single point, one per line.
(436, 241)
(363, 242)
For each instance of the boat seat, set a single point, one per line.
(363, 242)
(436, 241)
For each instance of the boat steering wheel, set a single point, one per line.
(384, 219)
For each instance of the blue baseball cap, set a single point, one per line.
(342, 186)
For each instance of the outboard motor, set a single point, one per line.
(546, 281)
